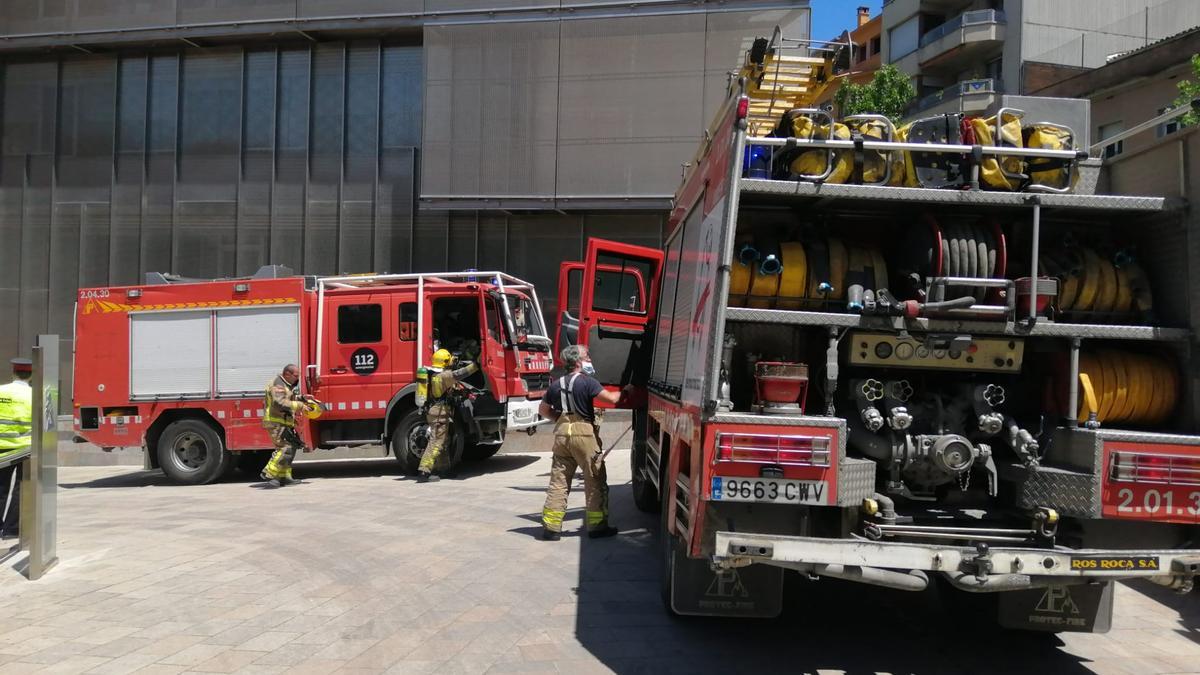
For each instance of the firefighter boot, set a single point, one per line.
(601, 533)
(550, 535)
(426, 477)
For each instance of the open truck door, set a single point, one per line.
(617, 300)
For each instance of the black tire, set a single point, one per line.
(252, 462)
(478, 452)
(645, 495)
(408, 446)
(191, 452)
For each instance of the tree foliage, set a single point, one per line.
(1189, 91)
(888, 94)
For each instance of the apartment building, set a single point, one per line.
(859, 64)
(965, 54)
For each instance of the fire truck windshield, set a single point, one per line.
(527, 321)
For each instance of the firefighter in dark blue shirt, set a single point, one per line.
(569, 402)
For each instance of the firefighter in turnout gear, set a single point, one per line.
(436, 387)
(569, 402)
(16, 434)
(282, 403)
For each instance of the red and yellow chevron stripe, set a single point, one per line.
(108, 307)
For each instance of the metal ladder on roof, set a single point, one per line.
(781, 75)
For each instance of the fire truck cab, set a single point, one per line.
(181, 366)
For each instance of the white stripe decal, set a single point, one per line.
(354, 405)
(245, 413)
(382, 405)
(370, 404)
(220, 415)
(138, 419)
(341, 406)
(260, 413)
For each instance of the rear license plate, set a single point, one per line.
(1114, 563)
(772, 490)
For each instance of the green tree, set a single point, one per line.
(888, 94)
(1188, 92)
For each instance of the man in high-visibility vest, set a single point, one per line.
(16, 433)
(280, 405)
(435, 387)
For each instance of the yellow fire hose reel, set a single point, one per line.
(1126, 387)
(803, 274)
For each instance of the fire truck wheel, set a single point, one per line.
(408, 440)
(191, 452)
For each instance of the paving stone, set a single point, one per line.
(359, 573)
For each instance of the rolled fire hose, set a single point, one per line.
(1127, 387)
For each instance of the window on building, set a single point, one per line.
(875, 46)
(994, 69)
(360, 324)
(1108, 131)
(903, 39)
(1167, 128)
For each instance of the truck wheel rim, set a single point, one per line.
(415, 434)
(190, 452)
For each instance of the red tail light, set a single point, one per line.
(1154, 468)
(770, 449)
(743, 108)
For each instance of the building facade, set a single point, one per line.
(207, 138)
(863, 59)
(965, 54)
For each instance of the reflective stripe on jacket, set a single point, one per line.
(279, 404)
(16, 417)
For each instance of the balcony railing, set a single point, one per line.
(965, 19)
(986, 86)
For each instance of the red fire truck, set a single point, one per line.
(853, 377)
(180, 366)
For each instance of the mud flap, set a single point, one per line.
(1074, 609)
(755, 591)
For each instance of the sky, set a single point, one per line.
(831, 17)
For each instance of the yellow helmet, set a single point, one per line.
(313, 409)
(442, 358)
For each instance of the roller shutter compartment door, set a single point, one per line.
(170, 354)
(253, 345)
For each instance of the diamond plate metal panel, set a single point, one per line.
(1041, 329)
(1071, 493)
(966, 198)
(856, 481)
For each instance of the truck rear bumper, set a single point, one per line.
(970, 568)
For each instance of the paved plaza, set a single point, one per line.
(362, 570)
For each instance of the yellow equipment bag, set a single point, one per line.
(1051, 173)
(814, 163)
(875, 162)
(1003, 173)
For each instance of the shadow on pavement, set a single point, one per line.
(315, 469)
(1186, 604)
(826, 625)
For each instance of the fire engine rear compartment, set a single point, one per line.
(777, 326)
(938, 399)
